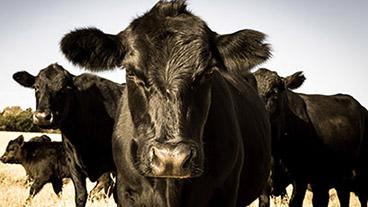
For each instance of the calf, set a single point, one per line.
(44, 162)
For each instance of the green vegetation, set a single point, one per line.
(15, 119)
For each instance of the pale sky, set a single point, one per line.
(327, 39)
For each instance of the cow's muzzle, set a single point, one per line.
(43, 118)
(174, 161)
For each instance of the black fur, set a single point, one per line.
(93, 49)
(44, 162)
(320, 139)
(243, 49)
(191, 131)
(83, 108)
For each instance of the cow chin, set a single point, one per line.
(46, 125)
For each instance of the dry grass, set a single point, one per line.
(334, 201)
(13, 192)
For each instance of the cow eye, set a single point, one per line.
(273, 92)
(276, 91)
(129, 74)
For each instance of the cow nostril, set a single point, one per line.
(154, 158)
(187, 160)
(48, 117)
(43, 117)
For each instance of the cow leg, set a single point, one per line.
(343, 193)
(320, 195)
(360, 187)
(35, 188)
(297, 196)
(80, 188)
(344, 197)
(264, 198)
(363, 201)
(57, 185)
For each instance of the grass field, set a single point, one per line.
(13, 191)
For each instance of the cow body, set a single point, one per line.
(44, 162)
(320, 139)
(83, 108)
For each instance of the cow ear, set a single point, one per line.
(242, 50)
(294, 81)
(93, 49)
(24, 78)
(20, 140)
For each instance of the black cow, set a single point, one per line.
(322, 140)
(44, 162)
(83, 107)
(191, 131)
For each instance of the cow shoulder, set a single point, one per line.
(336, 119)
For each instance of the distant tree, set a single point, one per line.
(15, 119)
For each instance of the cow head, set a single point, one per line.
(272, 88)
(170, 57)
(53, 94)
(13, 152)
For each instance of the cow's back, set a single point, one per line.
(338, 122)
(45, 157)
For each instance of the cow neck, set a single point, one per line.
(27, 156)
(81, 116)
(294, 114)
(172, 195)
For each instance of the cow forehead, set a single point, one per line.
(267, 79)
(54, 77)
(175, 64)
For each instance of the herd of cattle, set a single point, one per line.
(192, 126)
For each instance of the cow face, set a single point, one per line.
(53, 86)
(169, 56)
(13, 152)
(272, 88)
